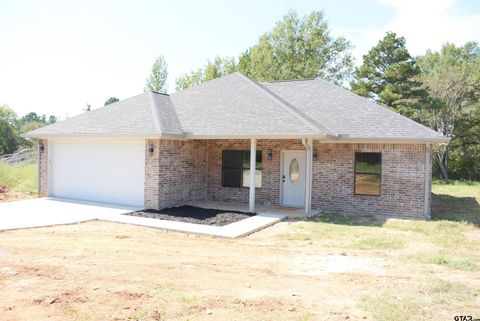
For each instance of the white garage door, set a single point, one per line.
(100, 170)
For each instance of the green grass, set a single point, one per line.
(454, 261)
(423, 302)
(450, 239)
(456, 201)
(19, 178)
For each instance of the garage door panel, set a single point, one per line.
(102, 171)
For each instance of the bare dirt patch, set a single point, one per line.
(107, 271)
(6, 195)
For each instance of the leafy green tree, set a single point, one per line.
(452, 80)
(8, 135)
(299, 48)
(111, 100)
(220, 66)
(388, 75)
(29, 122)
(157, 81)
(7, 114)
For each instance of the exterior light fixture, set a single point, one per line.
(314, 156)
(41, 147)
(270, 154)
(150, 149)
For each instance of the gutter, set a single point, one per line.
(323, 137)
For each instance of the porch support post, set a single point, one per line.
(253, 163)
(308, 176)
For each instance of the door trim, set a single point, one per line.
(282, 160)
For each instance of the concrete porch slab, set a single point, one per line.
(260, 209)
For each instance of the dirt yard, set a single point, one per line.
(291, 271)
(8, 195)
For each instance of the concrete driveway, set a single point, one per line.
(54, 211)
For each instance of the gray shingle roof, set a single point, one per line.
(347, 114)
(130, 116)
(236, 106)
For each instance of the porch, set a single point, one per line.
(259, 208)
(196, 172)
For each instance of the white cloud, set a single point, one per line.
(430, 23)
(425, 24)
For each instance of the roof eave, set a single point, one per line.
(397, 140)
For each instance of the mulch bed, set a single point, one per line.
(193, 214)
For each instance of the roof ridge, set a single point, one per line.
(289, 107)
(204, 83)
(289, 80)
(155, 113)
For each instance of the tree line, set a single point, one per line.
(439, 89)
(12, 126)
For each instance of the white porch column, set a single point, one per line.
(253, 163)
(308, 176)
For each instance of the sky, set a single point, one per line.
(57, 56)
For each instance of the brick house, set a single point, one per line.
(313, 145)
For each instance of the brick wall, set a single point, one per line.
(43, 169)
(402, 180)
(175, 174)
(402, 185)
(269, 192)
(179, 172)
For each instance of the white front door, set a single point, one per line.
(293, 177)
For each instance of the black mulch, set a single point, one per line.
(193, 214)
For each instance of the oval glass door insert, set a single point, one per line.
(294, 171)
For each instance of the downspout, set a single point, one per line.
(426, 198)
(308, 143)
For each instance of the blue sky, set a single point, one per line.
(57, 56)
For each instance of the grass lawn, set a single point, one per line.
(19, 178)
(333, 267)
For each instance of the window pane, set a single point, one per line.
(231, 177)
(246, 178)
(246, 159)
(294, 171)
(367, 184)
(232, 158)
(368, 163)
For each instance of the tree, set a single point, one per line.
(387, 75)
(452, 80)
(52, 119)
(29, 122)
(8, 135)
(220, 66)
(111, 100)
(299, 48)
(157, 81)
